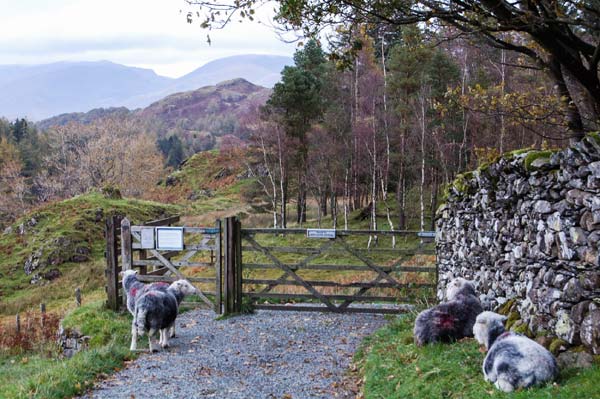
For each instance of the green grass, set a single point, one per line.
(393, 367)
(46, 376)
(61, 229)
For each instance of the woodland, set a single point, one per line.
(377, 114)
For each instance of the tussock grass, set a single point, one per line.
(391, 366)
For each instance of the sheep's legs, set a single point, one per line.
(172, 331)
(150, 335)
(164, 337)
(133, 337)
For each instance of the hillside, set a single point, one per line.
(214, 184)
(199, 109)
(200, 118)
(41, 91)
(83, 117)
(56, 248)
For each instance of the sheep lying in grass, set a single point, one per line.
(513, 361)
(451, 320)
(156, 310)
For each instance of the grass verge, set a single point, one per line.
(43, 375)
(391, 366)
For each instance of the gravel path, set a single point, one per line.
(269, 354)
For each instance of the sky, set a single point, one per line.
(143, 33)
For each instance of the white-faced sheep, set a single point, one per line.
(156, 310)
(513, 361)
(451, 320)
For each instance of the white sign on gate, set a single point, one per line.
(169, 238)
(320, 233)
(147, 237)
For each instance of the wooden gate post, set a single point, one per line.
(238, 264)
(218, 265)
(126, 255)
(112, 264)
(233, 276)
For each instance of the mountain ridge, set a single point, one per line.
(38, 92)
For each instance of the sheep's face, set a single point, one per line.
(486, 322)
(184, 287)
(455, 286)
(127, 273)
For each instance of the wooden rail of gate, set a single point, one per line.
(260, 289)
(159, 265)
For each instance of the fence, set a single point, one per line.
(326, 270)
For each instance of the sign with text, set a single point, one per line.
(169, 238)
(320, 233)
(426, 234)
(147, 237)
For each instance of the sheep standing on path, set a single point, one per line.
(451, 320)
(156, 310)
(513, 361)
(134, 288)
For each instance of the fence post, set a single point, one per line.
(218, 265)
(112, 264)
(126, 255)
(42, 314)
(233, 266)
(238, 264)
(78, 296)
(228, 255)
(18, 323)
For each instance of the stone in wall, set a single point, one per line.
(527, 229)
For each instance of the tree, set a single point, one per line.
(172, 150)
(107, 152)
(562, 36)
(296, 103)
(13, 185)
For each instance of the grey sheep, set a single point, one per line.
(156, 310)
(451, 320)
(513, 361)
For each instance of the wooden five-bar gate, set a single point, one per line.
(284, 269)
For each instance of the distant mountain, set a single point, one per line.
(262, 70)
(41, 91)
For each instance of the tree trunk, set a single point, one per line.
(434, 198)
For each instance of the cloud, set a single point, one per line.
(150, 33)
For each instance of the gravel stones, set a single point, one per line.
(269, 354)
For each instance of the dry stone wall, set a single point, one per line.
(526, 229)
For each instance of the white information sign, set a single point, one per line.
(320, 233)
(147, 234)
(169, 238)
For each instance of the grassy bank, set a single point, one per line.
(393, 367)
(42, 374)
